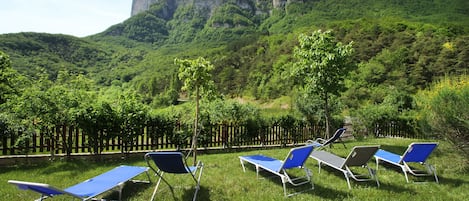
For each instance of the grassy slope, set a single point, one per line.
(223, 178)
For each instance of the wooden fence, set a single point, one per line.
(70, 140)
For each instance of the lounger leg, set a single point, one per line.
(432, 169)
(377, 162)
(41, 198)
(201, 166)
(319, 167)
(120, 186)
(242, 164)
(348, 180)
(157, 185)
(257, 172)
(373, 175)
(404, 169)
(310, 177)
(284, 187)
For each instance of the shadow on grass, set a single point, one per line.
(328, 193)
(203, 194)
(76, 166)
(451, 181)
(50, 167)
(395, 188)
(370, 184)
(187, 193)
(129, 191)
(329, 170)
(390, 167)
(320, 191)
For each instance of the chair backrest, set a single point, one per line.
(297, 157)
(360, 155)
(418, 152)
(336, 136)
(171, 162)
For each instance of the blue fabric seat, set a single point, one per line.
(173, 163)
(416, 153)
(296, 158)
(321, 143)
(90, 188)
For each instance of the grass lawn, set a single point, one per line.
(224, 179)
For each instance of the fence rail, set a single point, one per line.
(69, 139)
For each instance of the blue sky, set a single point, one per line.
(73, 17)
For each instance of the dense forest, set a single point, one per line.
(401, 49)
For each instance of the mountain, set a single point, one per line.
(397, 42)
(139, 6)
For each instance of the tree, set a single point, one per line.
(444, 111)
(322, 63)
(132, 114)
(196, 75)
(6, 75)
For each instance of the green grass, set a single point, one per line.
(223, 178)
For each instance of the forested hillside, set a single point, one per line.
(408, 43)
(400, 44)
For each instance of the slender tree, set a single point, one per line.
(197, 77)
(322, 63)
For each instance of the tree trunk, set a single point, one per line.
(196, 123)
(326, 113)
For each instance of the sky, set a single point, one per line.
(72, 17)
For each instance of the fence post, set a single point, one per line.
(4, 145)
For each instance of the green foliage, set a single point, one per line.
(11, 127)
(196, 76)
(229, 112)
(321, 67)
(133, 116)
(98, 122)
(289, 123)
(53, 53)
(187, 22)
(394, 106)
(7, 78)
(400, 45)
(444, 109)
(322, 63)
(147, 29)
(231, 15)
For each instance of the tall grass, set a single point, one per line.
(224, 179)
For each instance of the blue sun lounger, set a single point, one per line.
(296, 158)
(416, 153)
(321, 143)
(173, 163)
(89, 189)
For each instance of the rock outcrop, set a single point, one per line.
(143, 5)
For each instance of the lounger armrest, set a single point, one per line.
(319, 142)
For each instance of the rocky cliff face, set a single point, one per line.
(143, 5)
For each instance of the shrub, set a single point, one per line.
(444, 109)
